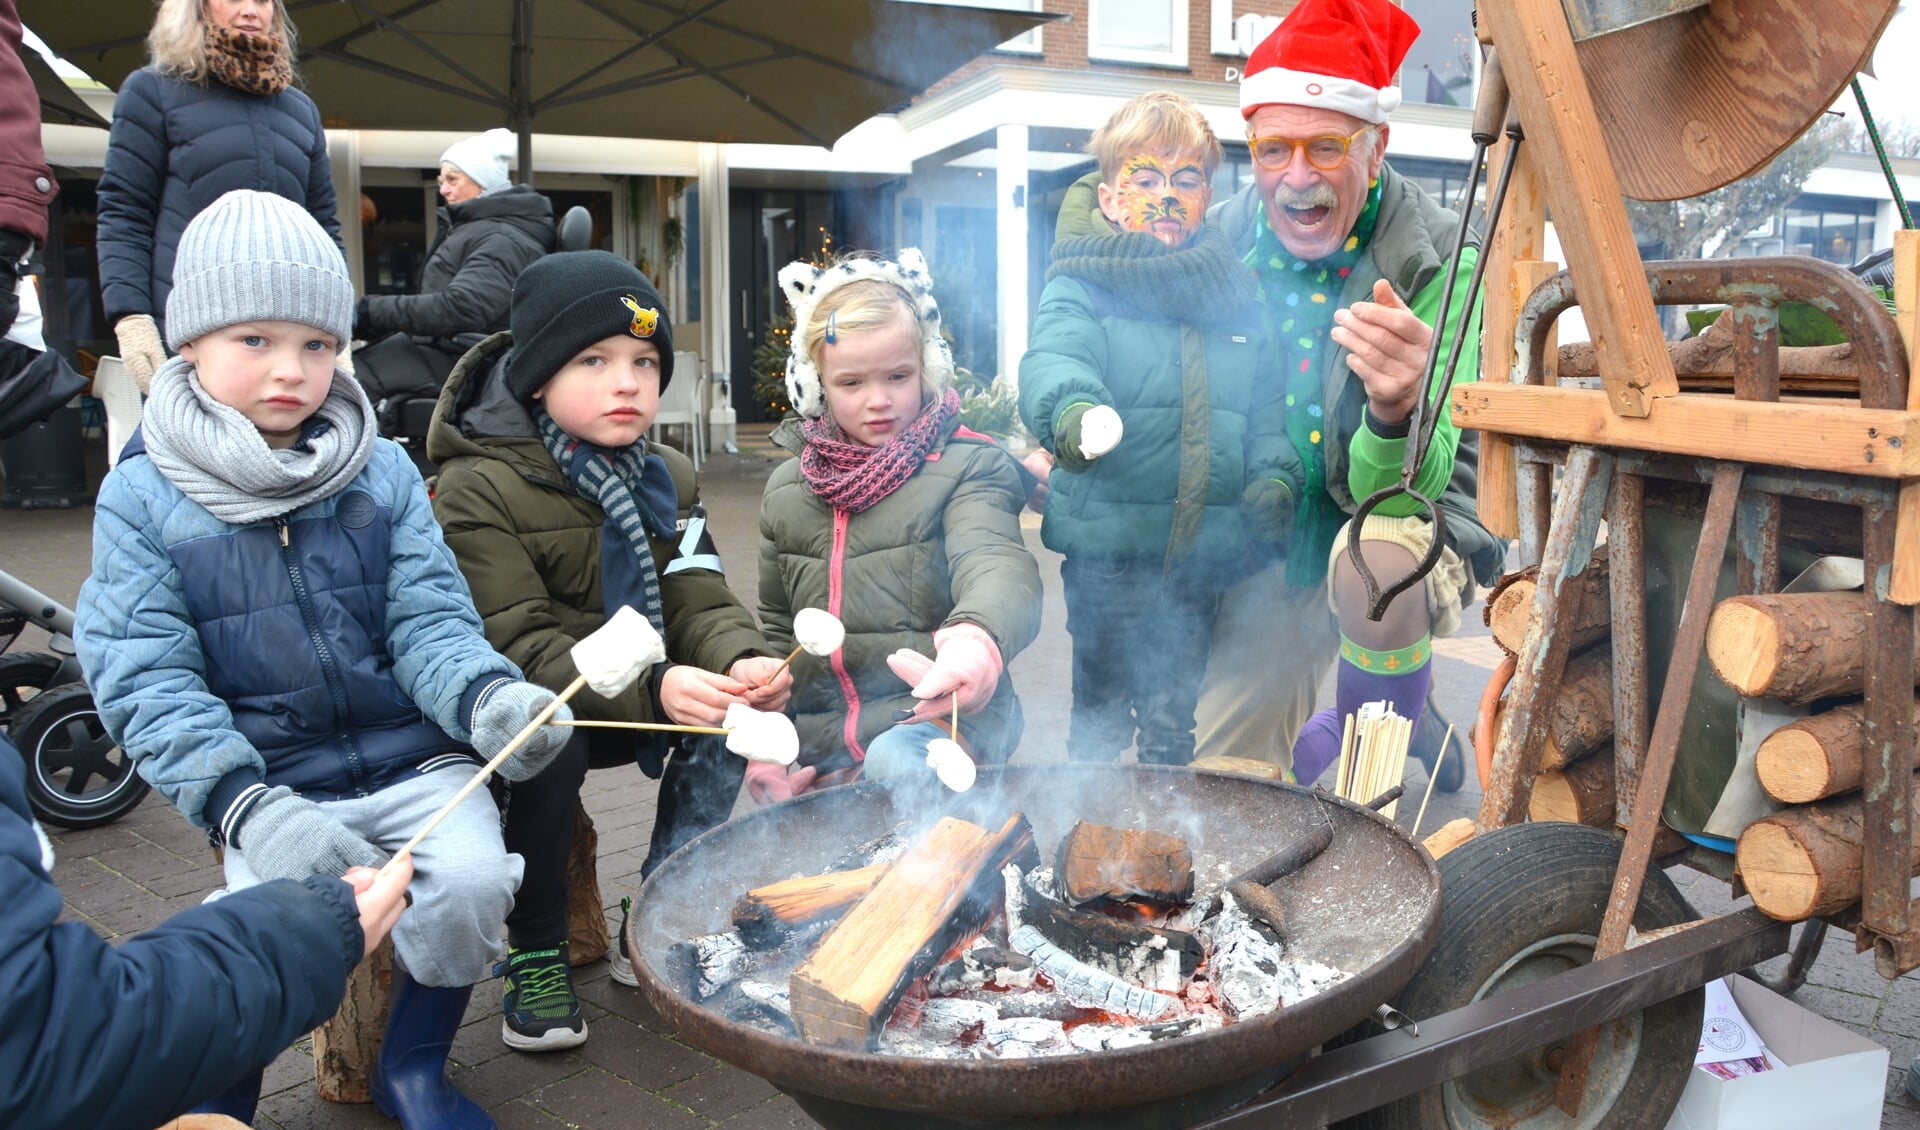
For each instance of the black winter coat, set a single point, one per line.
(133, 1034)
(467, 283)
(178, 146)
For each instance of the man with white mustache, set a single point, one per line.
(1352, 260)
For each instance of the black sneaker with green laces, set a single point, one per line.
(541, 1012)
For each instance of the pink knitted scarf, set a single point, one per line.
(852, 476)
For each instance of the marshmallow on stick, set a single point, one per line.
(1100, 431)
(610, 660)
(817, 632)
(951, 764)
(760, 735)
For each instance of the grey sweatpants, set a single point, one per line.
(463, 875)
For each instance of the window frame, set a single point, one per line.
(1175, 56)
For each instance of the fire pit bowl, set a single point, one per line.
(1369, 905)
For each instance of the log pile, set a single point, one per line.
(1804, 861)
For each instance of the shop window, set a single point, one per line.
(1138, 31)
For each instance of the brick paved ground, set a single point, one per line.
(632, 1073)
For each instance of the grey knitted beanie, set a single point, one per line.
(257, 257)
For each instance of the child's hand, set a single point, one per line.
(770, 784)
(380, 900)
(502, 712)
(693, 697)
(966, 661)
(286, 836)
(1039, 463)
(764, 694)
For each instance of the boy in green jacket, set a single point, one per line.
(559, 512)
(1143, 379)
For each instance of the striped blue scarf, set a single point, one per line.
(636, 492)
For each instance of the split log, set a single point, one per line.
(1817, 757)
(587, 938)
(1581, 793)
(1510, 605)
(1451, 835)
(1806, 861)
(345, 1047)
(1791, 646)
(767, 916)
(1102, 863)
(943, 888)
(1130, 949)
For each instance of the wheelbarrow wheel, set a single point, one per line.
(23, 674)
(77, 775)
(1521, 904)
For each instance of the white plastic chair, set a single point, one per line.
(117, 391)
(682, 404)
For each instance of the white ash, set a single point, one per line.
(1302, 979)
(1016, 897)
(1043, 1003)
(950, 1018)
(768, 995)
(1245, 962)
(1025, 1036)
(1042, 880)
(982, 964)
(1106, 1037)
(914, 1043)
(1086, 986)
(713, 961)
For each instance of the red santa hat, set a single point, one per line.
(1333, 54)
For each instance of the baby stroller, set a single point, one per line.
(403, 373)
(77, 775)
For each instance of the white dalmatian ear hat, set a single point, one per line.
(805, 285)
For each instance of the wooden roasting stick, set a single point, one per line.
(670, 727)
(942, 889)
(767, 915)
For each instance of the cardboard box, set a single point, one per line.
(1834, 1079)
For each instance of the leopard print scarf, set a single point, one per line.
(252, 64)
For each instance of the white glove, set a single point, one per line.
(141, 349)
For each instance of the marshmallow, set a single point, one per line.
(1100, 431)
(761, 735)
(615, 657)
(819, 631)
(951, 764)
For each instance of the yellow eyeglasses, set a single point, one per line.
(1326, 152)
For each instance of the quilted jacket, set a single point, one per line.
(945, 547)
(178, 146)
(333, 650)
(118, 1035)
(467, 283)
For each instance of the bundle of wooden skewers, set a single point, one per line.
(1373, 754)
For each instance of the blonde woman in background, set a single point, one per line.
(214, 110)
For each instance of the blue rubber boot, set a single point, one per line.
(236, 1102)
(410, 1079)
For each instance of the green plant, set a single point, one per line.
(989, 406)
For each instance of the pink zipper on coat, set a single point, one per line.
(835, 565)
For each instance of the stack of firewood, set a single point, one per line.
(1576, 780)
(1802, 647)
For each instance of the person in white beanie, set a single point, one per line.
(490, 230)
(280, 639)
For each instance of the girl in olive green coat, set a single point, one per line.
(900, 522)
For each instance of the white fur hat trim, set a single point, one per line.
(805, 285)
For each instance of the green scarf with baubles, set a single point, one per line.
(1299, 299)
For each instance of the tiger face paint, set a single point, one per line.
(1164, 195)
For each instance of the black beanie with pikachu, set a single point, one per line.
(565, 302)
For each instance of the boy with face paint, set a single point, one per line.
(1173, 467)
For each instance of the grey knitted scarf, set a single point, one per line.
(221, 461)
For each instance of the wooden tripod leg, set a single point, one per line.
(1543, 657)
(1651, 792)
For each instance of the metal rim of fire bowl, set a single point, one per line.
(1042, 1086)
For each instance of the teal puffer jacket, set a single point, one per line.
(1201, 418)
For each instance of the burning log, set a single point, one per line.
(942, 888)
(767, 916)
(1086, 986)
(1817, 757)
(1510, 605)
(707, 964)
(1806, 861)
(1259, 902)
(1131, 950)
(982, 966)
(1098, 862)
(1792, 646)
(1246, 962)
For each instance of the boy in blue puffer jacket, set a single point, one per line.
(277, 634)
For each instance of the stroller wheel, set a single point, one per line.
(24, 674)
(77, 775)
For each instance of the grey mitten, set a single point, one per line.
(288, 837)
(503, 711)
